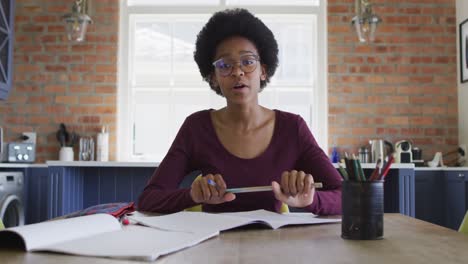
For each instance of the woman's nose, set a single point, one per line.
(236, 70)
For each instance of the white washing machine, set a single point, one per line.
(11, 198)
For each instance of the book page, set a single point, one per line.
(191, 221)
(194, 221)
(56, 231)
(275, 220)
(132, 242)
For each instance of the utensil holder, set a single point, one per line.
(363, 209)
(66, 154)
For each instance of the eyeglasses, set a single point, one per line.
(248, 63)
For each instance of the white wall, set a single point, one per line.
(462, 14)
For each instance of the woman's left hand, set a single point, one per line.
(295, 189)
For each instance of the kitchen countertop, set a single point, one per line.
(394, 165)
(102, 163)
(57, 163)
(153, 164)
(23, 165)
(440, 168)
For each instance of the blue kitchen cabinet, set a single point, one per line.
(399, 192)
(35, 194)
(7, 18)
(72, 189)
(76, 188)
(55, 191)
(429, 196)
(455, 194)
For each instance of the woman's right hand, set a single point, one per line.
(203, 192)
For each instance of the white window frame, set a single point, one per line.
(320, 94)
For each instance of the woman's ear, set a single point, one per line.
(264, 74)
(214, 83)
(213, 80)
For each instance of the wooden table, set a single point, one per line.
(406, 240)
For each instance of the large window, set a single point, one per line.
(159, 82)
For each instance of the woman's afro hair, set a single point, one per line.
(230, 23)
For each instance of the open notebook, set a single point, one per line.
(197, 221)
(102, 235)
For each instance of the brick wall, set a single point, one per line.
(56, 81)
(401, 87)
(404, 86)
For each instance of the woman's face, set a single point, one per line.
(238, 71)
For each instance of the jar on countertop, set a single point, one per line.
(363, 155)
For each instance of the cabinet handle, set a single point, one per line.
(461, 175)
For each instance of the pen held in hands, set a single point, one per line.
(211, 182)
(263, 188)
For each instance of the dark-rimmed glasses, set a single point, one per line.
(247, 63)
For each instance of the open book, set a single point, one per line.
(198, 221)
(101, 235)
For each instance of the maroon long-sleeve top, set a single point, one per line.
(197, 147)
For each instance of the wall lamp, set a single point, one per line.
(76, 22)
(365, 22)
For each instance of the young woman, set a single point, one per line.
(243, 144)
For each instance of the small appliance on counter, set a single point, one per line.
(417, 157)
(380, 149)
(21, 152)
(403, 153)
(18, 152)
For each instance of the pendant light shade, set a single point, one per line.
(365, 22)
(76, 22)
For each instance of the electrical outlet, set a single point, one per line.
(30, 137)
